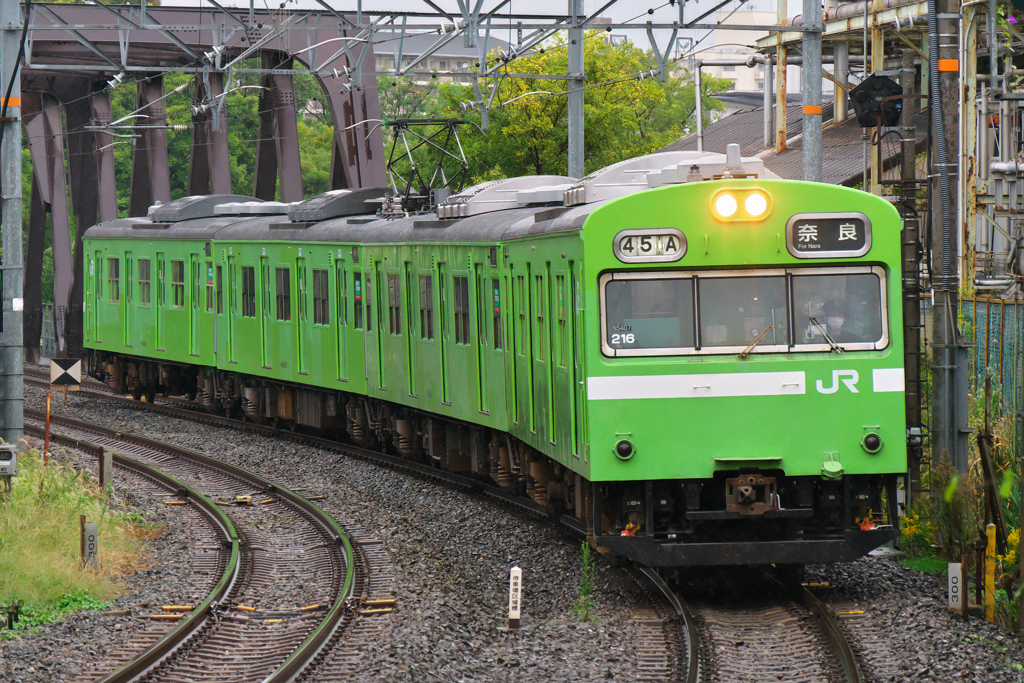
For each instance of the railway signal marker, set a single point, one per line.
(515, 594)
(66, 372)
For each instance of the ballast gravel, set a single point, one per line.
(452, 553)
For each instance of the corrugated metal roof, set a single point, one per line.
(842, 146)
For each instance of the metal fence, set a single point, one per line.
(997, 328)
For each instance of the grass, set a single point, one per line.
(926, 564)
(40, 556)
(585, 606)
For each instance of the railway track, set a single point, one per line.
(667, 649)
(298, 597)
(773, 635)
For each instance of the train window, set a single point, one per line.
(461, 310)
(540, 337)
(847, 306)
(394, 305)
(426, 307)
(195, 283)
(284, 294)
(649, 313)
(499, 329)
(645, 313)
(264, 286)
(737, 311)
(144, 281)
(563, 334)
(357, 286)
(220, 289)
(342, 281)
(248, 292)
(114, 279)
(209, 287)
(177, 284)
(321, 298)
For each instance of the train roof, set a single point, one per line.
(495, 211)
(496, 226)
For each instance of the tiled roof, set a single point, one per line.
(842, 146)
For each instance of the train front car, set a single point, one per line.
(745, 385)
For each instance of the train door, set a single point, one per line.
(129, 303)
(211, 316)
(548, 323)
(531, 339)
(407, 298)
(341, 288)
(193, 310)
(442, 317)
(232, 311)
(301, 319)
(480, 305)
(265, 308)
(89, 299)
(359, 314)
(578, 347)
(381, 302)
(161, 298)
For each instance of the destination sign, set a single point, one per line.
(658, 245)
(828, 235)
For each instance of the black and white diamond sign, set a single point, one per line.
(66, 372)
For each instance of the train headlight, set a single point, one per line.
(756, 204)
(741, 204)
(871, 442)
(725, 205)
(624, 450)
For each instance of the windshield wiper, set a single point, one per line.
(824, 332)
(746, 351)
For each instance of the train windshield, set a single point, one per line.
(762, 311)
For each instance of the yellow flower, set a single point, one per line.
(1012, 545)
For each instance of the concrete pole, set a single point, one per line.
(576, 82)
(769, 94)
(842, 75)
(12, 390)
(698, 99)
(811, 71)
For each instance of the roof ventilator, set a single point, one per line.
(195, 206)
(256, 208)
(510, 193)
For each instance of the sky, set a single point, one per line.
(622, 11)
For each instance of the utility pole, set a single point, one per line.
(576, 82)
(12, 355)
(949, 369)
(811, 71)
(911, 285)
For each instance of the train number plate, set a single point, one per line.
(657, 245)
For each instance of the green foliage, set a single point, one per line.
(528, 125)
(39, 540)
(916, 533)
(956, 516)
(585, 606)
(925, 563)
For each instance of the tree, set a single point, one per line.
(624, 115)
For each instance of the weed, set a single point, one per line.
(585, 606)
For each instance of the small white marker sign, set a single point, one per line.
(515, 594)
(956, 593)
(90, 544)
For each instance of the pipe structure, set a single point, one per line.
(811, 72)
(842, 75)
(576, 83)
(699, 106)
(769, 96)
(12, 398)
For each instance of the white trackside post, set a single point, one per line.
(515, 593)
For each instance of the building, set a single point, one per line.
(453, 57)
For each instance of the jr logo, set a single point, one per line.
(847, 377)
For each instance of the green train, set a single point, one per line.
(699, 363)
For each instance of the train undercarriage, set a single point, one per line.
(755, 516)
